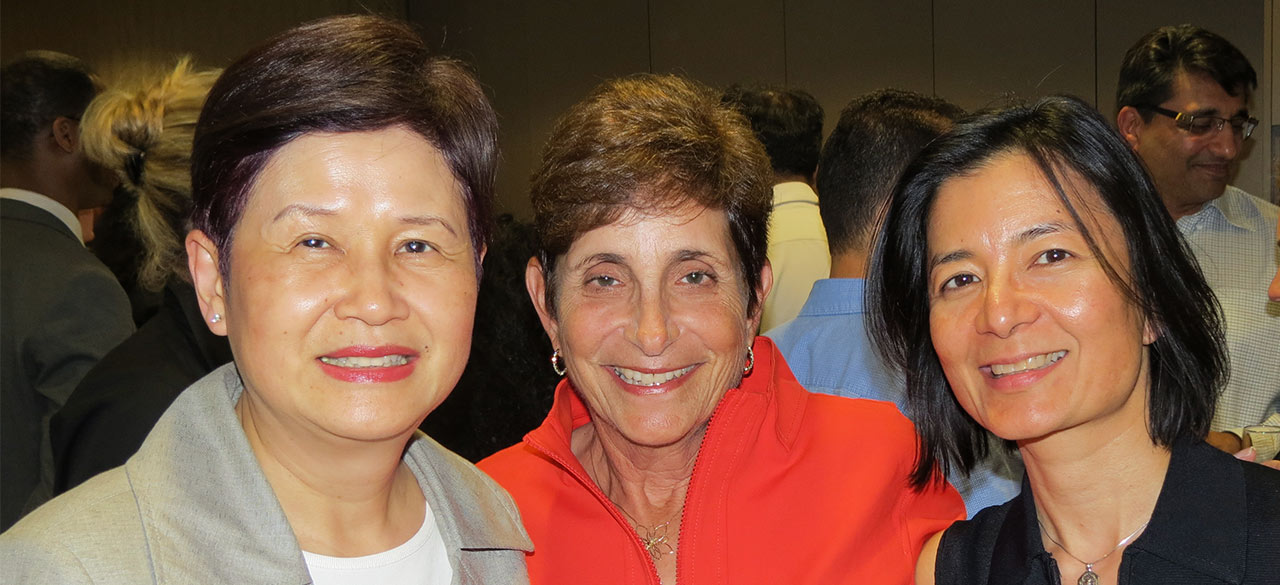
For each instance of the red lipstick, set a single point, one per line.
(369, 374)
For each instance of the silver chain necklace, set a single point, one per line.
(1089, 577)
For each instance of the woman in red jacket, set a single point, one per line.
(680, 448)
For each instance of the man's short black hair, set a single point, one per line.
(787, 121)
(37, 88)
(877, 135)
(1150, 65)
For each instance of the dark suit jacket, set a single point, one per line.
(1217, 521)
(61, 310)
(121, 398)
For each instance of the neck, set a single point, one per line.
(849, 264)
(1089, 517)
(649, 483)
(341, 497)
(26, 176)
(791, 178)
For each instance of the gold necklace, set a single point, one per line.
(1089, 577)
(655, 539)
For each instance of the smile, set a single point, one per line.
(386, 361)
(1043, 360)
(647, 379)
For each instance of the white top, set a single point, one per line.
(420, 560)
(797, 251)
(58, 210)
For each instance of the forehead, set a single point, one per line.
(641, 233)
(388, 170)
(1194, 92)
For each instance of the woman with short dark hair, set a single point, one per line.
(342, 181)
(1032, 284)
(679, 447)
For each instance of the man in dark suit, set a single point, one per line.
(60, 308)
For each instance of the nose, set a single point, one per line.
(1226, 143)
(1005, 308)
(371, 293)
(653, 329)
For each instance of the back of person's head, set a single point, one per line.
(877, 135)
(144, 136)
(39, 87)
(1079, 154)
(1150, 66)
(334, 75)
(787, 121)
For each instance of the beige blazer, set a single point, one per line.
(192, 506)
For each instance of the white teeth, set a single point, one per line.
(646, 379)
(386, 361)
(1031, 363)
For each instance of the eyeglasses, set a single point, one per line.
(1207, 125)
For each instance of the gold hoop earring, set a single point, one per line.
(751, 361)
(557, 363)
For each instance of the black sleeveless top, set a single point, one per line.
(1217, 520)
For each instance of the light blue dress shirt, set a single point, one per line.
(1233, 238)
(829, 351)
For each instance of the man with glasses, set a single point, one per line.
(1183, 102)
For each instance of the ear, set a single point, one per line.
(1131, 125)
(66, 134)
(535, 282)
(202, 260)
(1150, 333)
(762, 293)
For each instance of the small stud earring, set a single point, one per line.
(215, 318)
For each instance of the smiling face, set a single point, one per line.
(1190, 171)
(1032, 334)
(651, 318)
(352, 285)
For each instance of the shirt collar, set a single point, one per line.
(1231, 208)
(834, 296)
(793, 192)
(44, 202)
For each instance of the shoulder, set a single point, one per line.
(90, 532)
(518, 468)
(876, 419)
(458, 477)
(966, 548)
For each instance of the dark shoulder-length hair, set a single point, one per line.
(1065, 137)
(339, 74)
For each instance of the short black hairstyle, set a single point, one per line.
(1150, 65)
(877, 135)
(37, 88)
(1066, 138)
(787, 121)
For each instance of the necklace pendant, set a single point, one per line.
(1088, 578)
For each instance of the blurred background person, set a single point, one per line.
(679, 447)
(828, 345)
(342, 182)
(1030, 280)
(144, 136)
(1183, 100)
(61, 310)
(788, 122)
(506, 389)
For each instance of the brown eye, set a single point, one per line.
(1052, 256)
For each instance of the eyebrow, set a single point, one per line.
(1241, 113)
(602, 257)
(1027, 235)
(305, 210)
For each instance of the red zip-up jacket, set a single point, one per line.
(789, 487)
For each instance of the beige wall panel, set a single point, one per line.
(108, 34)
(985, 50)
(719, 42)
(839, 49)
(1122, 22)
(536, 59)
